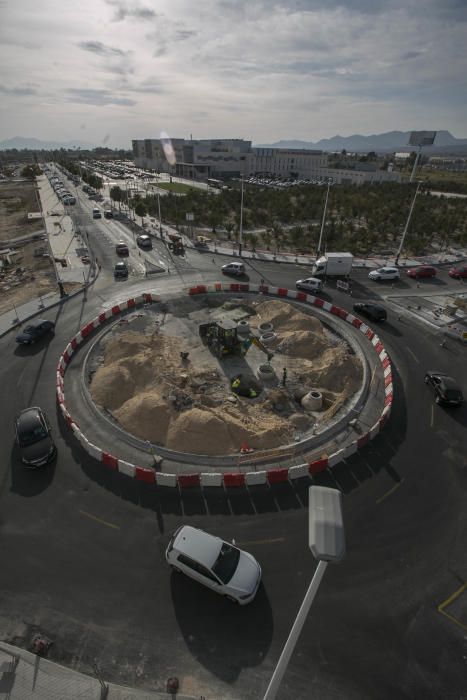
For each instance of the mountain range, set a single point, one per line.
(388, 142)
(36, 145)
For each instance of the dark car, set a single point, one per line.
(421, 272)
(35, 331)
(121, 270)
(144, 241)
(446, 388)
(121, 248)
(458, 273)
(33, 437)
(374, 312)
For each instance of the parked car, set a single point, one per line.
(458, 273)
(121, 248)
(384, 273)
(32, 430)
(96, 213)
(446, 388)
(35, 331)
(234, 268)
(144, 241)
(311, 284)
(374, 312)
(421, 272)
(108, 214)
(219, 565)
(121, 270)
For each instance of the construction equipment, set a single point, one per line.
(222, 339)
(176, 244)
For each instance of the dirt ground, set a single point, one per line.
(189, 406)
(30, 273)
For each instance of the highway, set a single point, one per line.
(83, 548)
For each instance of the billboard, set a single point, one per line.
(422, 138)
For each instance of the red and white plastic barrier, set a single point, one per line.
(226, 479)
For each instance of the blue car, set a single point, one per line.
(35, 331)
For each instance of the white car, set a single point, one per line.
(311, 284)
(384, 273)
(219, 565)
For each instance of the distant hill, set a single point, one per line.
(36, 145)
(380, 143)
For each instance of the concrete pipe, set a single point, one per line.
(243, 327)
(268, 338)
(266, 373)
(313, 401)
(265, 327)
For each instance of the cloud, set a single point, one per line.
(98, 98)
(17, 91)
(123, 11)
(101, 49)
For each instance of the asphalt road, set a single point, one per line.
(82, 548)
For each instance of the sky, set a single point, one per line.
(107, 71)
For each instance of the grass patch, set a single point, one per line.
(177, 187)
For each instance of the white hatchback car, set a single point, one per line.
(219, 565)
(384, 273)
(311, 284)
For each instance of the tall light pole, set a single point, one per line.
(240, 234)
(407, 223)
(159, 208)
(318, 252)
(327, 543)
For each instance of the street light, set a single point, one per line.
(318, 252)
(240, 233)
(407, 223)
(327, 543)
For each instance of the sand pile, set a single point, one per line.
(184, 406)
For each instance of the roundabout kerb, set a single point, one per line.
(231, 479)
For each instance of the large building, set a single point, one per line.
(223, 158)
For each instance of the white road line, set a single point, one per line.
(413, 355)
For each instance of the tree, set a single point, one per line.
(116, 195)
(140, 210)
(31, 171)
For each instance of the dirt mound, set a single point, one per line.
(146, 415)
(285, 317)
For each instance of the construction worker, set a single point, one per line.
(284, 376)
(253, 394)
(236, 383)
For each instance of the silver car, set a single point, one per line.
(384, 273)
(219, 565)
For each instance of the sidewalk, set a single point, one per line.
(24, 675)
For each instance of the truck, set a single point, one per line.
(333, 265)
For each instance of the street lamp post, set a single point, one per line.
(159, 209)
(327, 543)
(407, 224)
(323, 221)
(240, 233)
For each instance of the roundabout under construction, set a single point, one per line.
(225, 382)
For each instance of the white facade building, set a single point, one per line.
(287, 163)
(343, 176)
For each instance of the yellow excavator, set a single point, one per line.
(222, 339)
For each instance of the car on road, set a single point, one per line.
(35, 331)
(96, 213)
(374, 312)
(458, 273)
(144, 241)
(121, 270)
(234, 268)
(310, 284)
(33, 437)
(384, 273)
(219, 565)
(446, 388)
(108, 214)
(421, 272)
(121, 248)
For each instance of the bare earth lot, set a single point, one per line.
(29, 274)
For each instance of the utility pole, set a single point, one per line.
(240, 237)
(407, 223)
(318, 253)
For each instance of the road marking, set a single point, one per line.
(388, 493)
(432, 415)
(450, 600)
(99, 520)
(373, 375)
(272, 541)
(413, 355)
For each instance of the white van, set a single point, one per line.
(311, 284)
(234, 268)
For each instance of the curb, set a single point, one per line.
(225, 480)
